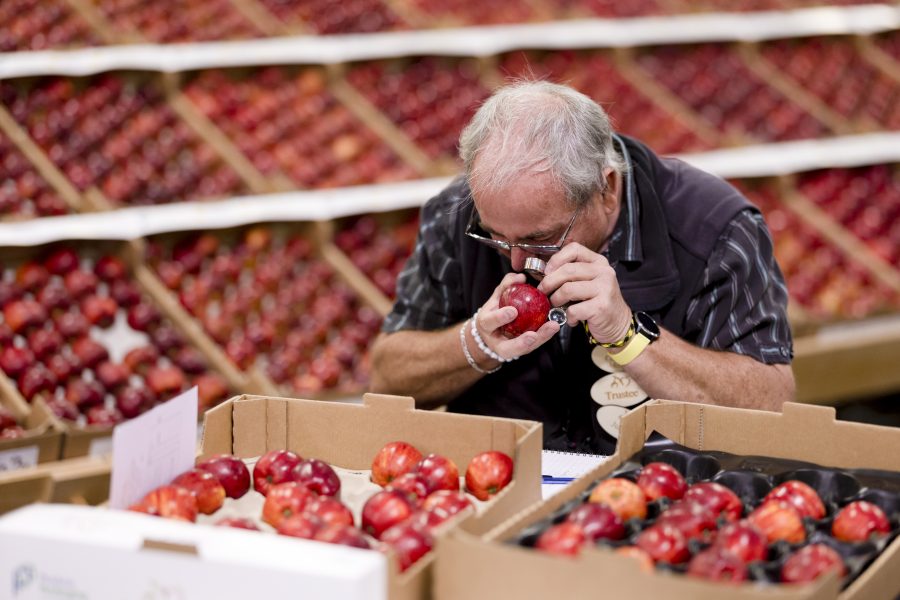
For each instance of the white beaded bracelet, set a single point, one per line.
(484, 347)
(469, 359)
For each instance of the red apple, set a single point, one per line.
(101, 416)
(318, 476)
(99, 310)
(211, 389)
(190, 360)
(858, 521)
(139, 359)
(89, 352)
(284, 500)
(598, 521)
(44, 342)
(61, 261)
(237, 522)
(231, 472)
(413, 485)
(409, 543)
(54, 297)
(125, 293)
(274, 467)
(717, 498)
(446, 503)
(14, 360)
(344, 535)
(110, 268)
(439, 472)
(80, 283)
(63, 409)
(61, 366)
(36, 379)
(132, 401)
(22, 315)
(111, 375)
(664, 543)
(302, 526)
(330, 510)
(716, 564)
(811, 562)
(488, 473)
(779, 520)
(563, 538)
(165, 380)
(206, 488)
(31, 276)
(801, 496)
(384, 510)
(393, 460)
(71, 325)
(531, 305)
(143, 316)
(623, 496)
(169, 501)
(693, 520)
(744, 540)
(6, 418)
(661, 480)
(12, 433)
(644, 560)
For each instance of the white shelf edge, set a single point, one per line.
(464, 41)
(319, 205)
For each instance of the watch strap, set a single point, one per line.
(632, 350)
(632, 329)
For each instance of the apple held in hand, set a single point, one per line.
(409, 543)
(779, 520)
(318, 476)
(488, 473)
(598, 521)
(274, 467)
(716, 564)
(531, 305)
(284, 500)
(623, 496)
(206, 488)
(661, 480)
(858, 521)
(439, 472)
(392, 461)
(717, 498)
(744, 540)
(811, 562)
(801, 496)
(384, 510)
(230, 471)
(565, 538)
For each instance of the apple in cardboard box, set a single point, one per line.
(206, 488)
(409, 543)
(801, 496)
(744, 540)
(693, 520)
(565, 538)
(446, 503)
(302, 526)
(345, 535)
(413, 485)
(439, 472)
(284, 500)
(488, 473)
(230, 471)
(385, 509)
(779, 520)
(274, 467)
(318, 476)
(623, 496)
(717, 498)
(598, 521)
(717, 564)
(664, 544)
(532, 307)
(237, 522)
(661, 480)
(811, 562)
(393, 460)
(169, 501)
(858, 521)
(330, 510)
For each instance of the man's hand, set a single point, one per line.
(585, 281)
(491, 318)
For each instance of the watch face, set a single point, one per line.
(647, 325)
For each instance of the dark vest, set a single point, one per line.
(681, 214)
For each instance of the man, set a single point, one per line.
(669, 268)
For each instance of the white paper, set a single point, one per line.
(152, 449)
(18, 458)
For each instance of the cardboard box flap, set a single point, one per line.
(387, 402)
(218, 429)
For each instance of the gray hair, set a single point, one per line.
(538, 126)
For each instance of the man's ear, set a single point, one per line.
(610, 198)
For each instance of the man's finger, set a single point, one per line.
(573, 252)
(529, 340)
(574, 271)
(575, 291)
(491, 319)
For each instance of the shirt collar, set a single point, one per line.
(625, 242)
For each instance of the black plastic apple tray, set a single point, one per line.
(751, 478)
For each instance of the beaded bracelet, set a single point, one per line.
(484, 347)
(469, 359)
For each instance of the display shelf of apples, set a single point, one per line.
(719, 86)
(42, 25)
(379, 246)
(401, 504)
(80, 334)
(323, 17)
(827, 283)
(844, 81)
(443, 13)
(117, 134)
(289, 125)
(430, 99)
(889, 43)
(275, 308)
(611, 9)
(195, 22)
(709, 516)
(24, 193)
(595, 74)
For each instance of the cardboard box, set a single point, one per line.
(801, 432)
(349, 436)
(41, 443)
(82, 480)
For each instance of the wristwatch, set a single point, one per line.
(646, 331)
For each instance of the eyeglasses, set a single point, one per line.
(539, 249)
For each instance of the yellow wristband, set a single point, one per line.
(631, 351)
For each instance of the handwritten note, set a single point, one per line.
(150, 450)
